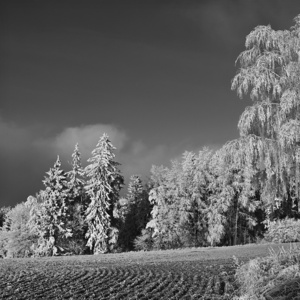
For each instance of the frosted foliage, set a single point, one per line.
(50, 217)
(77, 172)
(103, 184)
(179, 201)
(270, 128)
(135, 187)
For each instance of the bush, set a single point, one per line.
(267, 278)
(144, 241)
(283, 231)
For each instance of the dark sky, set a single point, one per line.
(154, 75)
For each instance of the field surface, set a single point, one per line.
(196, 273)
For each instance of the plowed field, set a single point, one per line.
(200, 273)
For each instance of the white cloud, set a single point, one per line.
(26, 156)
(134, 155)
(86, 136)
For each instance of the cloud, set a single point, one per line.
(86, 136)
(134, 155)
(26, 155)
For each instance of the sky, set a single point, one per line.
(154, 75)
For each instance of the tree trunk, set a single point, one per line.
(236, 225)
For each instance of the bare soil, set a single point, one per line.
(195, 273)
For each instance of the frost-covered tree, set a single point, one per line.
(76, 178)
(232, 206)
(180, 199)
(52, 215)
(16, 235)
(165, 215)
(139, 202)
(194, 190)
(103, 185)
(77, 204)
(270, 139)
(134, 213)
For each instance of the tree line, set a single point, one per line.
(224, 197)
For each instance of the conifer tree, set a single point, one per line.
(76, 177)
(77, 204)
(165, 197)
(138, 199)
(194, 190)
(135, 213)
(51, 217)
(103, 185)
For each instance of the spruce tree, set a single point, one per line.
(103, 185)
(134, 213)
(51, 217)
(138, 196)
(164, 196)
(76, 177)
(77, 204)
(194, 183)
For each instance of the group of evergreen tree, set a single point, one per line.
(223, 197)
(77, 212)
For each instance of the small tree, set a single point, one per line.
(16, 235)
(103, 185)
(164, 225)
(77, 204)
(75, 177)
(135, 212)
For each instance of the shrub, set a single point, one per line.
(144, 241)
(271, 276)
(283, 231)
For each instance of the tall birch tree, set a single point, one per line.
(269, 129)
